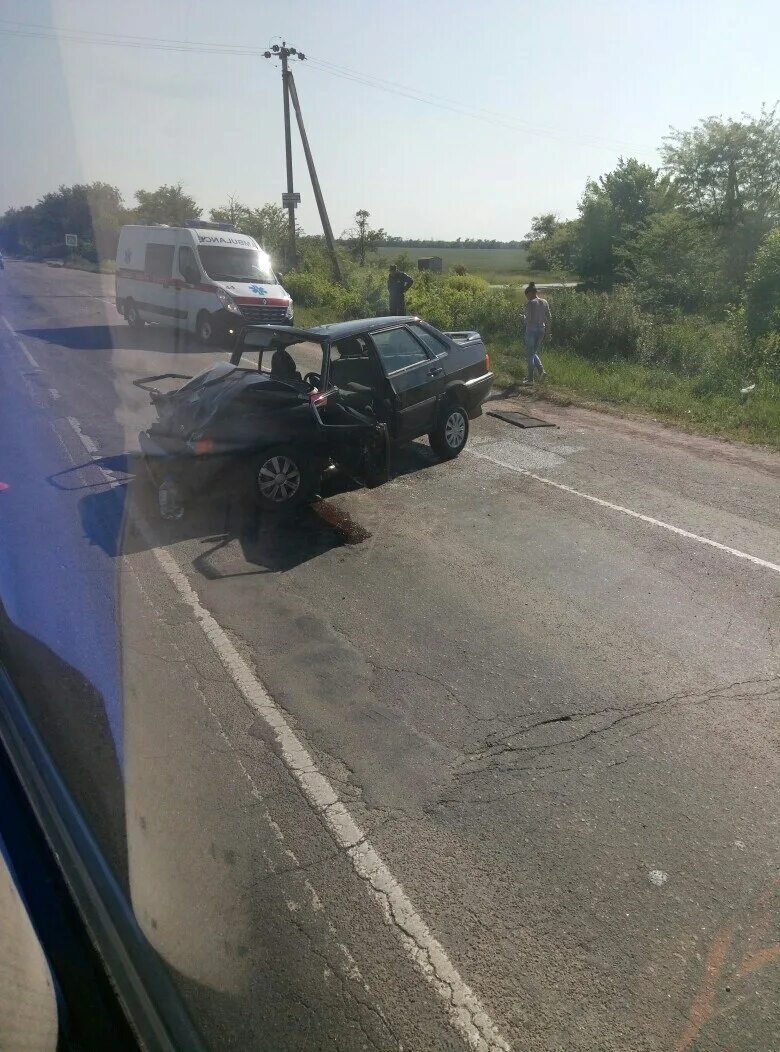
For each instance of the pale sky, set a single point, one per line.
(568, 87)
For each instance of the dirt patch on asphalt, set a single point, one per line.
(337, 516)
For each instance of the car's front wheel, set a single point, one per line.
(282, 479)
(451, 432)
(205, 329)
(133, 315)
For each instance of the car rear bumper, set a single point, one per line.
(477, 390)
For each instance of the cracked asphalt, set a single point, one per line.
(555, 723)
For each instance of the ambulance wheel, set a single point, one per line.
(204, 327)
(133, 315)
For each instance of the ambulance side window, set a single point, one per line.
(158, 262)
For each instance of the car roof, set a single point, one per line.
(339, 330)
(286, 335)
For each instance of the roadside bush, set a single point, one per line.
(311, 288)
(79, 262)
(762, 295)
(764, 359)
(364, 295)
(600, 326)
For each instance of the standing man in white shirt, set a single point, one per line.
(538, 321)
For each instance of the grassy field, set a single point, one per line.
(497, 265)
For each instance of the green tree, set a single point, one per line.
(93, 211)
(727, 173)
(762, 296)
(613, 211)
(233, 212)
(539, 237)
(267, 225)
(361, 238)
(166, 204)
(563, 247)
(678, 264)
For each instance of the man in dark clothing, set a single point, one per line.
(397, 285)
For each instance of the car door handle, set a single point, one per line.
(437, 370)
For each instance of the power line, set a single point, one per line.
(505, 121)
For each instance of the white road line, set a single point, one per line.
(466, 1013)
(348, 965)
(20, 344)
(764, 563)
(89, 444)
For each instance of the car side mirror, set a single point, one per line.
(191, 276)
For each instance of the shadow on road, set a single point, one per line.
(125, 519)
(110, 337)
(69, 712)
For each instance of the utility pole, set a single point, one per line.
(290, 200)
(315, 183)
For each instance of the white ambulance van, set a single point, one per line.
(205, 278)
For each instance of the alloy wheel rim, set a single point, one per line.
(279, 479)
(455, 430)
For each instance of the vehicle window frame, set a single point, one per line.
(195, 261)
(445, 350)
(428, 357)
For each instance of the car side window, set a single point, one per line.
(158, 262)
(353, 347)
(187, 262)
(398, 349)
(435, 345)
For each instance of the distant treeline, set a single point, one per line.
(461, 242)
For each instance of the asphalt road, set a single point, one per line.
(502, 774)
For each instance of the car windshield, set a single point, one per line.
(282, 359)
(229, 263)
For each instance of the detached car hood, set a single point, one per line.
(261, 293)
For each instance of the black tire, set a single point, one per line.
(133, 315)
(205, 329)
(282, 479)
(451, 433)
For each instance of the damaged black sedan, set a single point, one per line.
(337, 395)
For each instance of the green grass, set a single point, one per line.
(505, 261)
(499, 266)
(106, 266)
(648, 390)
(541, 277)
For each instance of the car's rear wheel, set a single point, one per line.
(204, 328)
(133, 315)
(282, 479)
(451, 433)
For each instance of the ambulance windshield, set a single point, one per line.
(228, 263)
